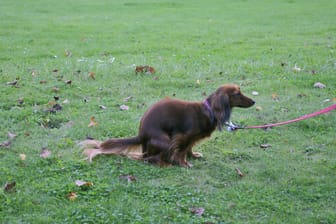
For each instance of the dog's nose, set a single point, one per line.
(253, 102)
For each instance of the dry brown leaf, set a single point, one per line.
(92, 75)
(197, 211)
(69, 82)
(129, 178)
(275, 96)
(55, 70)
(81, 183)
(10, 187)
(55, 89)
(5, 144)
(144, 69)
(92, 123)
(72, 196)
(56, 107)
(239, 172)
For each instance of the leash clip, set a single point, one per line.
(232, 127)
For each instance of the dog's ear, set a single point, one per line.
(220, 106)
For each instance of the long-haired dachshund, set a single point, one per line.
(170, 128)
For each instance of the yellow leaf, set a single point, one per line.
(72, 196)
(22, 156)
(92, 122)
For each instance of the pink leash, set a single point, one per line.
(304, 117)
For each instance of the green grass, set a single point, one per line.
(252, 43)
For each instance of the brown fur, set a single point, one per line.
(170, 128)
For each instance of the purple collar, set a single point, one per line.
(207, 105)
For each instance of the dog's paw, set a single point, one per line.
(91, 153)
(196, 154)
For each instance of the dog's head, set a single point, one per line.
(224, 99)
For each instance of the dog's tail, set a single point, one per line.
(129, 147)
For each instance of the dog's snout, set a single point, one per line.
(253, 102)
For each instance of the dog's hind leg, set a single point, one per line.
(156, 150)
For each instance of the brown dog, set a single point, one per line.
(170, 128)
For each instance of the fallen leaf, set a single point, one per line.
(55, 70)
(34, 73)
(10, 187)
(45, 153)
(5, 144)
(43, 81)
(319, 85)
(124, 107)
(197, 211)
(72, 196)
(56, 98)
(67, 53)
(102, 107)
(129, 178)
(239, 172)
(265, 146)
(198, 82)
(144, 69)
(81, 183)
(13, 83)
(275, 96)
(56, 107)
(20, 100)
(255, 93)
(55, 89)
(259, 108)
(23, 157)
(296, 68)
(92, 75)
(12, 135)
(126, 99)
(66, 101)
(69, 82)
(92, 123)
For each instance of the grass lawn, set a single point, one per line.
(82, 55)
